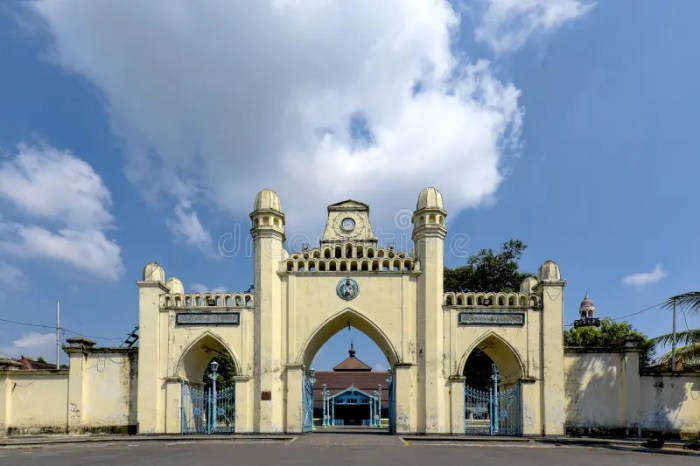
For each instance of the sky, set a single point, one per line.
(137, 131)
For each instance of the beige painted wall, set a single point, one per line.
(102, 390)
(34, 402)
(670, 403)
(605, 393)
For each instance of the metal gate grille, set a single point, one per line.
(207, 411)
(493, 411)
(308, 401)
(392, 402)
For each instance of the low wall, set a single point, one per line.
(670, 402)
(34, 402)
(102, 390)
(96, 394)
(606, 394)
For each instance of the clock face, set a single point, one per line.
(347, 224)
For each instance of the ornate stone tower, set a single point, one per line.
(551, 288)
(150, 397)
(429, 233)
(268, 250)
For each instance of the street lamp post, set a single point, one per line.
(214, 367)
(325, 406)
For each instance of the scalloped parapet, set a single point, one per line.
(207, 300)
(350, 257)
(498, 300)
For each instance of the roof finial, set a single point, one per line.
(352, 349)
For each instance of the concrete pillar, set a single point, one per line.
(78, 383)
(405, 412)
(630, 387)
(173, 405)
(457, 404)
(550, 287)
(268, 238)
(151, 390)
(530, 396)
(429, 238)
(295, 379)
(244, 415)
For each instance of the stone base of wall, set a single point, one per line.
(47, 430)
(34, 430)
(111, 430)
(624, 432)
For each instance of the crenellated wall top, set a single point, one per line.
(207, 300)
(496, 300)
(350, 257)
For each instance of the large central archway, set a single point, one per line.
(361, 398)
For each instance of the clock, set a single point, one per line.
(347, 224)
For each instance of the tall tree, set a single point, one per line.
(489, 271)
(610, 334)
(688, 353)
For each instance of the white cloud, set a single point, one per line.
(11, 275)
(51, 184)
(88, 250)
(33, 345)
(58, 188)
(186, 225)
(646, 278)
(506, 25)
(320, 101)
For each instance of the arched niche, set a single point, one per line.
(500, 352)
(195, 359)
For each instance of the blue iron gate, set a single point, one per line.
(308, 401)
(493, 411)
(392, 402)
(207, 411)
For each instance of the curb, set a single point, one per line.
(621, 445)
(18, 442)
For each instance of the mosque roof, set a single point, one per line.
(351, 363)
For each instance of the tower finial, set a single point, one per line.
(352, 349)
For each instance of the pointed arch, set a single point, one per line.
(501, 352)
(337, 322)
(194, 359)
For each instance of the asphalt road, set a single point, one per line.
(327, 450)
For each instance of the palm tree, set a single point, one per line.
(689, 351)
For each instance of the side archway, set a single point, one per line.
(500, 352)
(337, 322)
(196, 357)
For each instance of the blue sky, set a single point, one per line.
(138, 132)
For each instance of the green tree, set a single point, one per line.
(610, 334)
(226, 371)
(688, 353)
(489, 271)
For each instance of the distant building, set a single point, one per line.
(586, 312)
(350, 387)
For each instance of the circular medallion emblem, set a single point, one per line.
(347, 289)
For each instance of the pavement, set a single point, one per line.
(323, 448)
